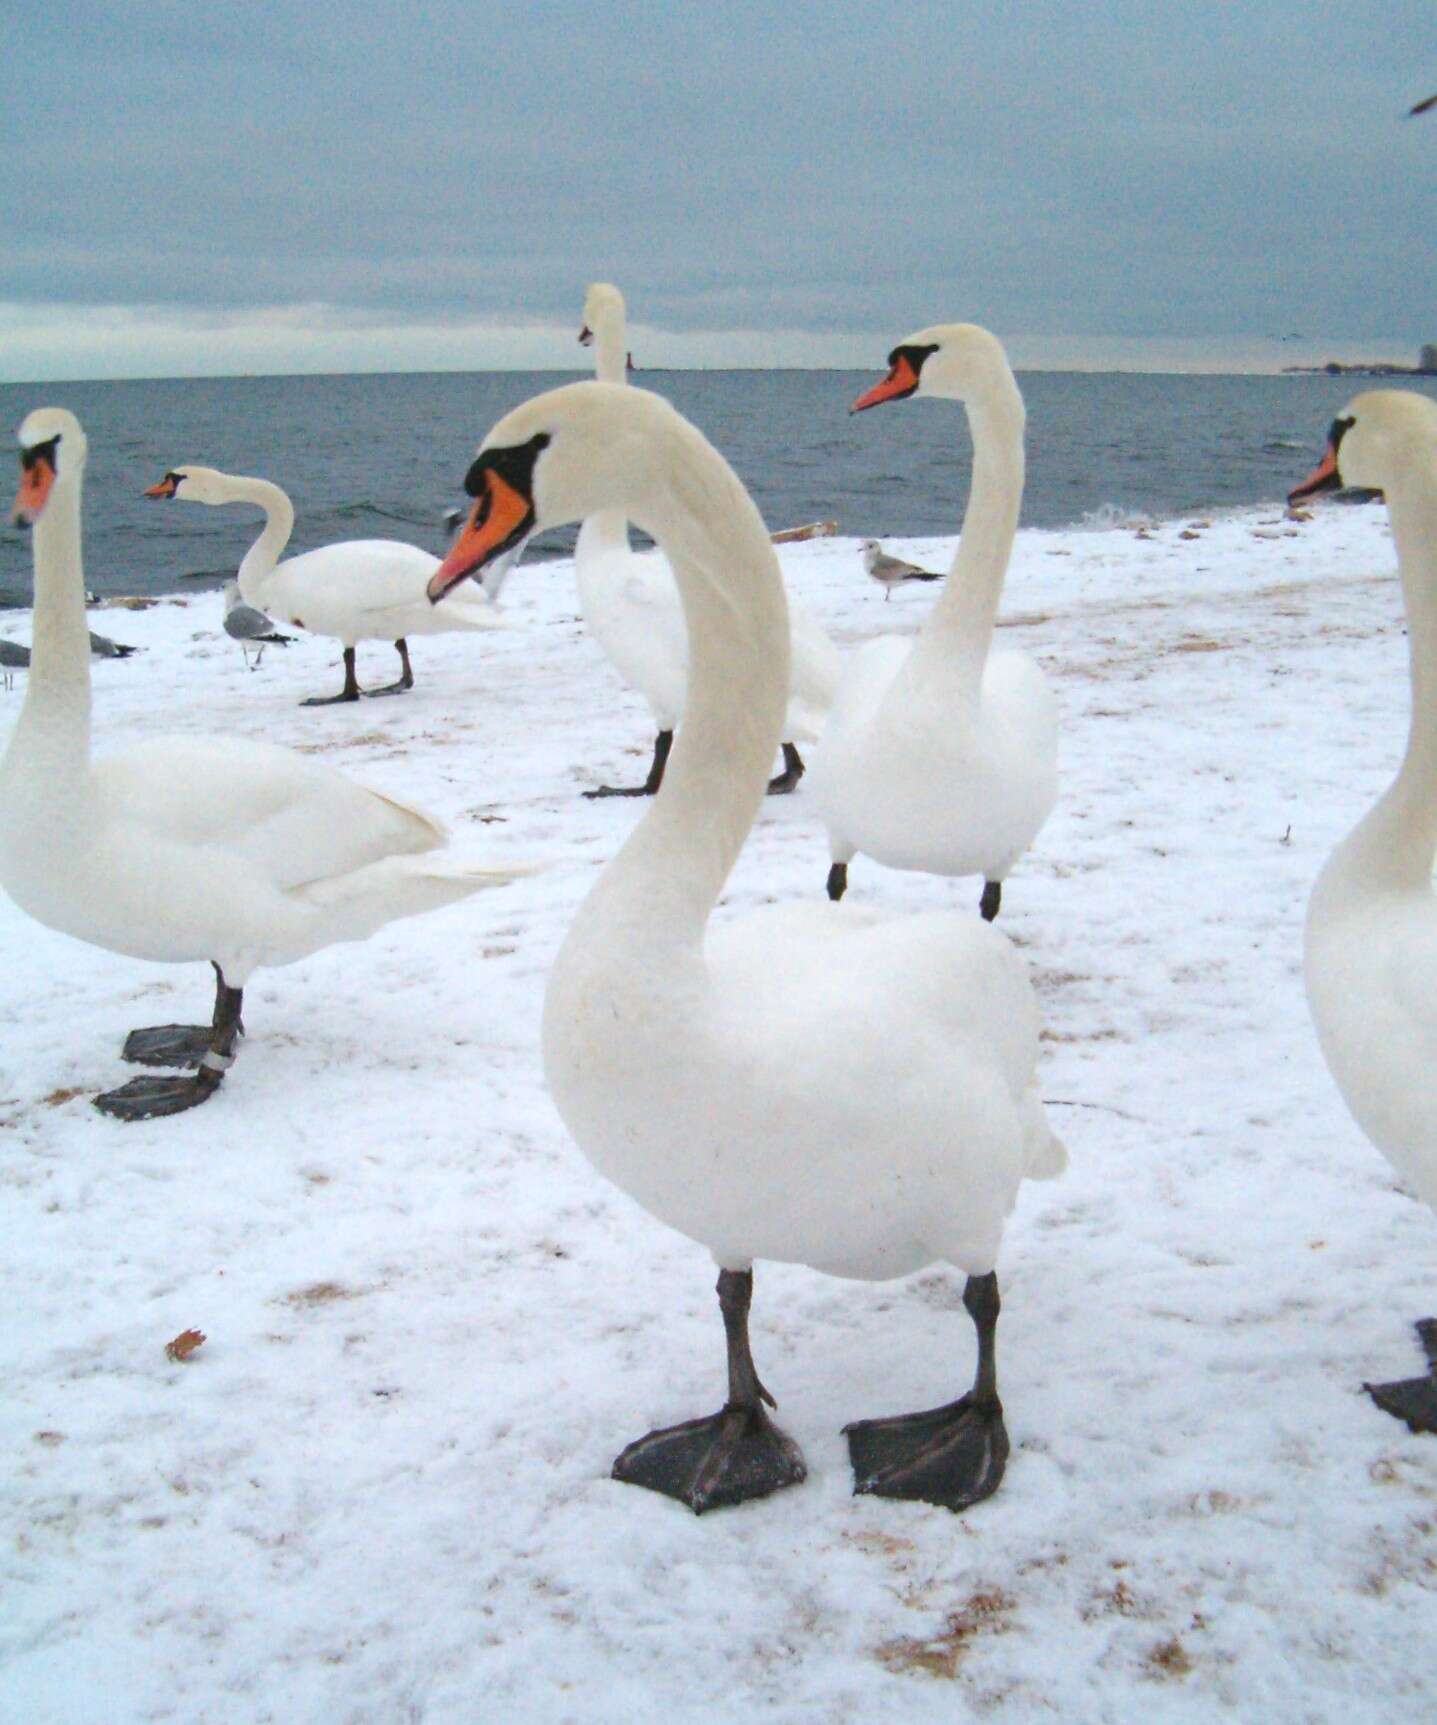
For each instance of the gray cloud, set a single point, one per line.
(1115, 169)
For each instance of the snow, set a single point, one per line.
(378, 1492)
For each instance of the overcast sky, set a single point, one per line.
(235, 187)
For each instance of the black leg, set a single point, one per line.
(350, 691)
(992, 898)
(406, 676)
(1413, 1399)
(733, 1455)
(952, 1456)
(837, 881)
(791, 774)
(143, 1098)
(663, 742)
(175, 1044)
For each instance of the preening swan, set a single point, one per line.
(1370, 946)
(355, 590)
(941, 754)
(185, 848)
(742, 1082)
(631, 605)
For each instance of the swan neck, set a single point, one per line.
(960, 626)
(608, 530)
(260, 560)
(659, 890)
(52, 734)
(1397, 842)
(610, 349)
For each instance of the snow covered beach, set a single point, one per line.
(379, 1491)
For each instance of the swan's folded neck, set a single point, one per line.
(657, 893)
(51, 741)
(261, 558)
(1393, 848)
(954, 641)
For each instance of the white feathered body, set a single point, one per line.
(244, 853)
(821, 1085)
(1371, 964)
(363, 590)
(631, 607)
(919, 771)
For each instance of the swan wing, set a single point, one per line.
(291, 818)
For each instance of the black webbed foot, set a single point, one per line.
(951, 1456)
(793, 771)
(730, 1457)
(144, 1098)
(168, 1045)
(330, 700)
(618, 791)
(1413, 1399)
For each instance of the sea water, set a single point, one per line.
(383, 456)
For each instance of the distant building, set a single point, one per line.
(1428, 359)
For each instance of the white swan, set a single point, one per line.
(742, 1081)
(631, 606)
(355, 590)
(1371, 936)
(184, 848)
(941, 754)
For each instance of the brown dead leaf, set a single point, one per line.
(184, 1344)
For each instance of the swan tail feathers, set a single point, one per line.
(1044, 1154)
(354, 905)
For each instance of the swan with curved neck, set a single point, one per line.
(354, 590)
(942, 755)
(740, 1080)
(1370, 944)
(631, 605)
(183, 848)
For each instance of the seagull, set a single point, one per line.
(248, 625)
(891, 572)
(14, 657)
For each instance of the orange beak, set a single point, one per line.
(901, 381)
(500, 519)
(166, 488)
(35, 482)
(1324, 477)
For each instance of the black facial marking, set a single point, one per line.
(48, 452)
(1338, 430)
(915, 355)
(514, 465)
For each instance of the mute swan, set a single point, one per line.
(890, 572)
(631, 606)
(355, 590)
(184, 848)
(941, 754)
(1370, 947)
(741, 1081)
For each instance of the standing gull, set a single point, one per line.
(891, 572)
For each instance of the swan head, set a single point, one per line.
(561, 456)
(191, 485)
(957, 361)
(602, 302)
(52, 449)
(1372, 441)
